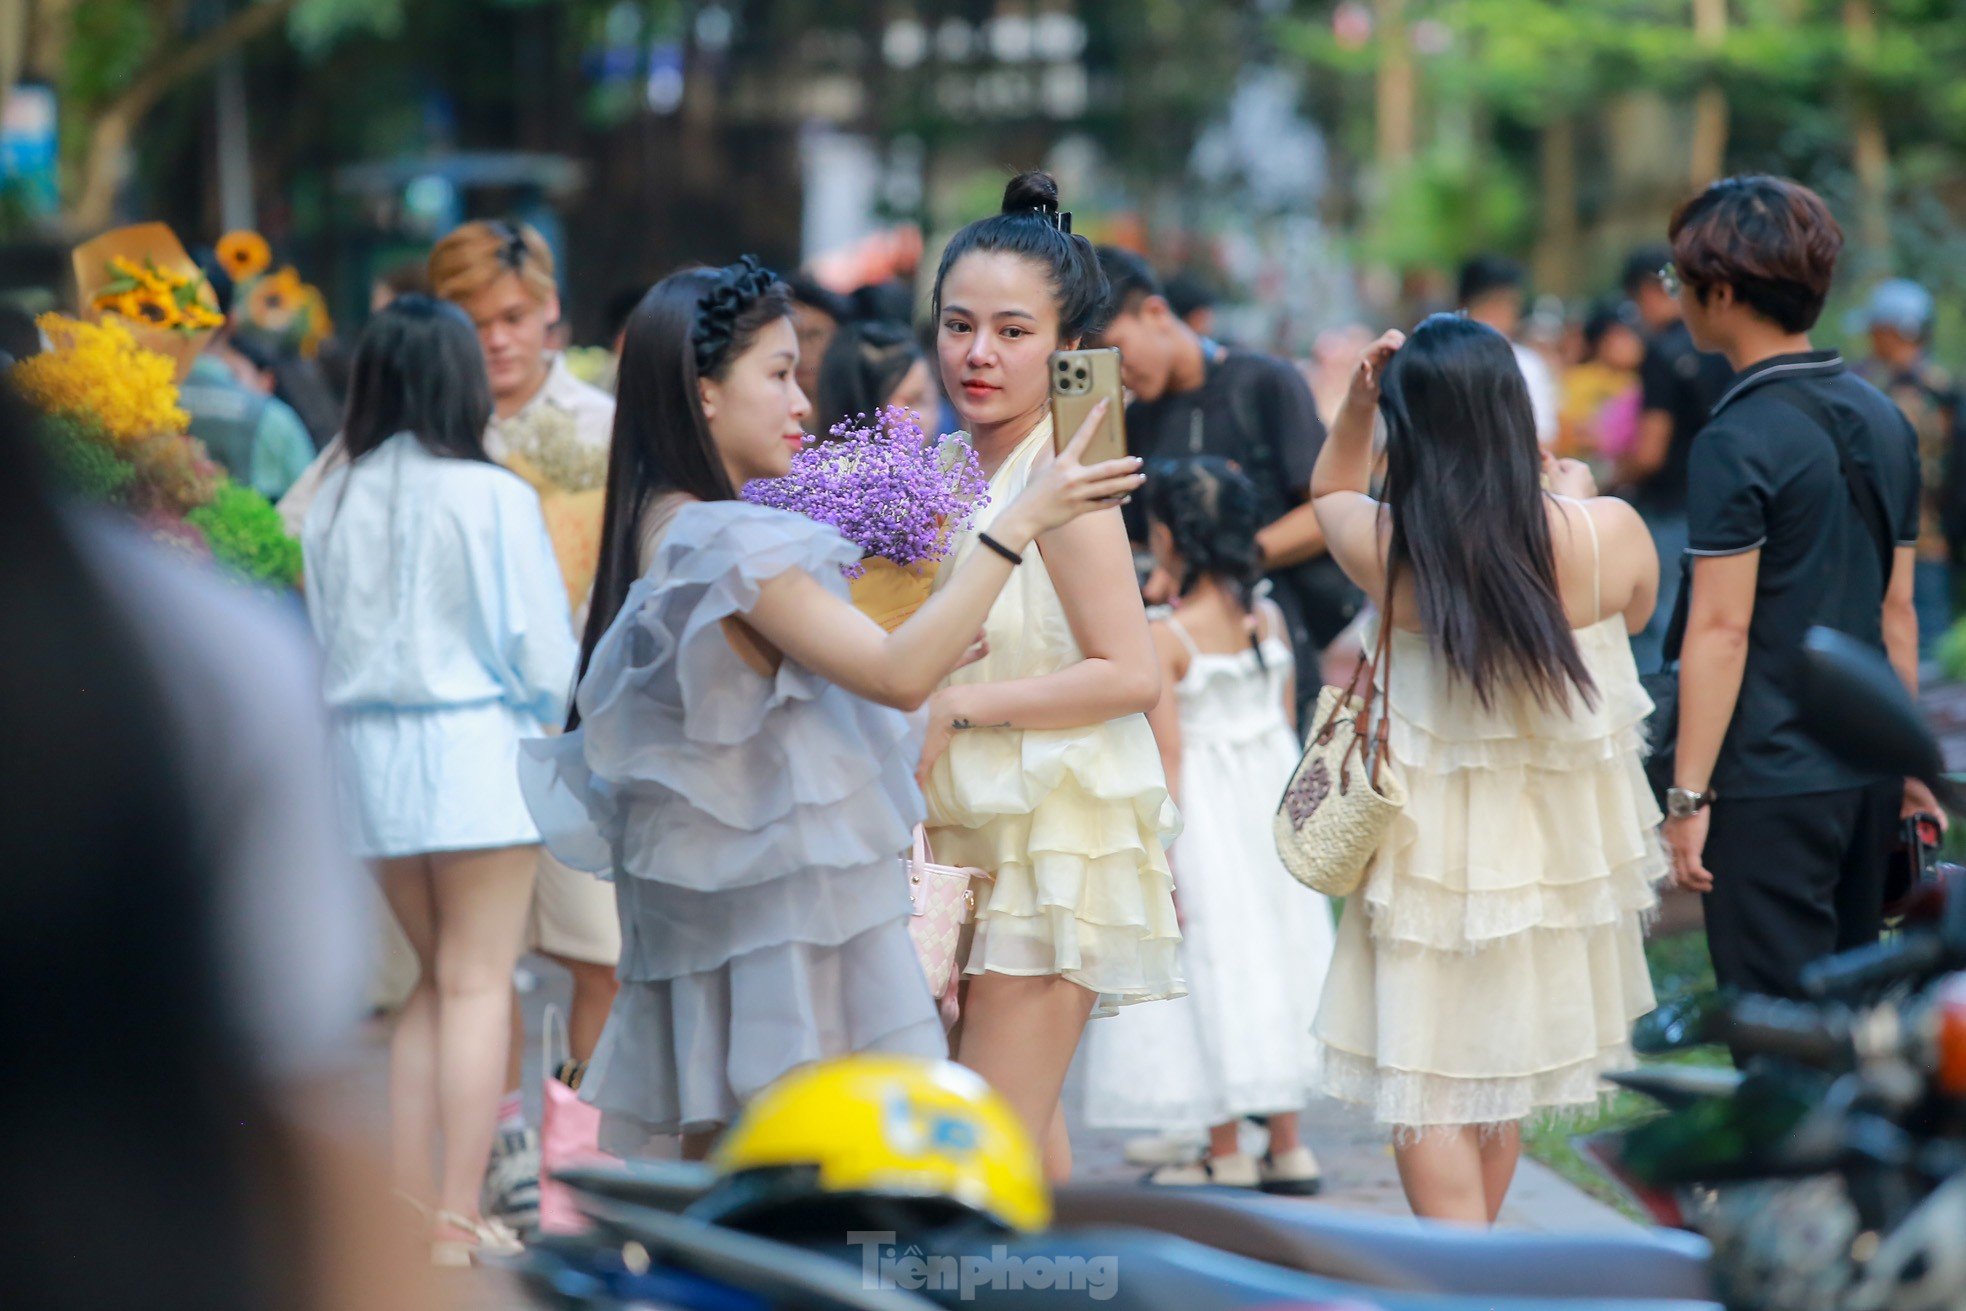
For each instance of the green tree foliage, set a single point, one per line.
(1443, 208)
(1493, 73)
(108, 44)
(316, 25)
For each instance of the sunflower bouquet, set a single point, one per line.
(142, 276)
(156, 297)
(274, 303)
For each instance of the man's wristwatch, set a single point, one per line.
(1684, 803)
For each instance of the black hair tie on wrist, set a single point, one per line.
(1000, 548)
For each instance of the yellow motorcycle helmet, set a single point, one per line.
(874, 1126)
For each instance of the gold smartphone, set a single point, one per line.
(1079, 381)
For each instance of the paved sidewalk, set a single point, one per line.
(1358, 1165)
(1359, 1174)
(1356, 1155)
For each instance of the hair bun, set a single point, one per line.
(1036, 189)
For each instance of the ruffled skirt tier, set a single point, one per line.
(1073, 825)
(752, 826)
(1492, 963)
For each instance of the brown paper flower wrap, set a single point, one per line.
(171, 308)
(889, 593)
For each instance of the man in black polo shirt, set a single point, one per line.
(1194, 397)
(1803, 510)
(1678, 385)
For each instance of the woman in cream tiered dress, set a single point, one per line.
(1072, 822)
(1039, 765)
(1492, 963)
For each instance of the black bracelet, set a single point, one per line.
(1000, 548)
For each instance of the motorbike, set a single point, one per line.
(1859, 1095)
(667, 1231)
(1827, 1168)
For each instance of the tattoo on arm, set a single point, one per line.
(962, 722)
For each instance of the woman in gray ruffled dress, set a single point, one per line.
(739, 762)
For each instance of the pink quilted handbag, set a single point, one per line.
(940, 903)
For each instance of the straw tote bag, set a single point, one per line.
(1346, 792)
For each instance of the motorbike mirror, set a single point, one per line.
(1853, 703)
(1678, 1086)
(1952, 921)
(1679, 1023)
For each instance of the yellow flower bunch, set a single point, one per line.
(156, 297)
(283, 306)
(97, 373)
(276, 300)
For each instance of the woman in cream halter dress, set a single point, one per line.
(1038, 764)
(1073, 823)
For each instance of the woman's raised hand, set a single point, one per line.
(1064, 489)
(1371, 369)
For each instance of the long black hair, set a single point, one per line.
(690, 325)
(1463, 484)
(131, 1099)
(418, 369)
(866, 362)
(1031, 225)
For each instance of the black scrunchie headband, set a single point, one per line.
(738, 287)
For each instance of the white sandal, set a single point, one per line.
(1238, 1171)
(488, 1238)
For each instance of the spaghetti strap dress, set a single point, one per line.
(1255, 944)
(752, 826)
(1072, 823)
(1492, 963)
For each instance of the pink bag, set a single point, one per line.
(940, 903)
(569, 1131)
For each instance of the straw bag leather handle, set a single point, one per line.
(1378, 687)
(1383, 670)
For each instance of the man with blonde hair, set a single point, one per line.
(554, 431)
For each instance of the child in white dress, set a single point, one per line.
(1255, 943)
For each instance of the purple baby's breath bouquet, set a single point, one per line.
(887, 488)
